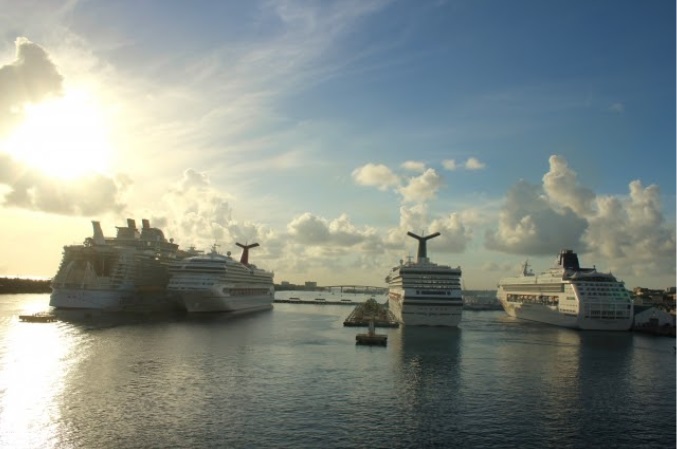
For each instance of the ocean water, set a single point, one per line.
(293, 377)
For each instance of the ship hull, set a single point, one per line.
(419, 312)
(110, 300)
(203, 301)
(66, 298)
(551, 315)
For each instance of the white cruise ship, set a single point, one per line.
(115, 273)
(569, 296)
(423, 293)
(217, 283)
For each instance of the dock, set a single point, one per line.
(38, 318)
(371, 338)
(368, 312)
(317, 301)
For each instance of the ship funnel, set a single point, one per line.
(98, 233)
(145, 223)
(569, 260)
(131, 224)
(244, 259)
(422, 249)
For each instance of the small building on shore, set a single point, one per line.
(654, 320)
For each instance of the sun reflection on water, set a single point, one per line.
(32, 380)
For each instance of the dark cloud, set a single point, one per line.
(30, 78)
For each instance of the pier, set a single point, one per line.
(371, 338)
(371, 312)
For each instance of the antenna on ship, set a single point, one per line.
(422, 248)
(244, 259)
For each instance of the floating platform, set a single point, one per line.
(370, 311)
(371, 340)
(38, 318)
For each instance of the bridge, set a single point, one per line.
(362, 289)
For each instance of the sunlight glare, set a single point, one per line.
(64, 137)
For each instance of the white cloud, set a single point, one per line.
(562, 188)
(474, 164)
(421, 188)
(414, 166)
(527, 224)
(32, 190)
(375, 175)
(309, 229)
(629, 233)
(449, 164)
(30, 78)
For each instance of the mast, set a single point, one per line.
(422, 248)
(244, 259)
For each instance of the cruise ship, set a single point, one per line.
(569, 296)
(115, 273)
(215, 282)
(422, 293)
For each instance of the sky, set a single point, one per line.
(326, 130)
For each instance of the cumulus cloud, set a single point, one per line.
(421, 188)
(474, 164)
(414, 166)
(449, 164)
(562, 188)
(376, 175)
(89, 195)
(527, 224)
(197, 212)
(629, 232)
(309, 229)
(454, 235)
(30, 78)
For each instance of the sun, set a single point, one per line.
(64, 137)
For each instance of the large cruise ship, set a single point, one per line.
(423, 293)
(115, 273)
(215, 282)
(568, 295)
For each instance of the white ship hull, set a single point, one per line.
(409, 313)
(551, 315)
(88, 299)
(110, 300)
(197, 301)
(540, 313)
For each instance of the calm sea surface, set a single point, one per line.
(293, 377)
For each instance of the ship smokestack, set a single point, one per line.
(244, 259)
(131, 224)
(422, 249)
(145, 223)
(98, 233)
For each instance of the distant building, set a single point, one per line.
(653, 317)
(309, 285)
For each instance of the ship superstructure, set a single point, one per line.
(115, 273)
(568, 295)
(422, 293)
(215, 282)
